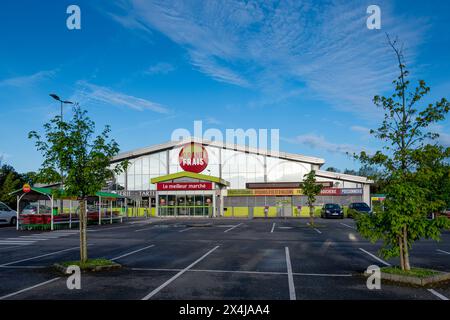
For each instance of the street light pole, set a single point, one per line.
(62, 102)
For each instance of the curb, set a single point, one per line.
(419, 281)
(113, 266)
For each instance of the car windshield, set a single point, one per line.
(33, 207)
(332, 206)
(361, 205)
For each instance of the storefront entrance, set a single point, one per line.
(284, 206)
(182, 204)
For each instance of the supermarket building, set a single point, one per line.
(195, 177)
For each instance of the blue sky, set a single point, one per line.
(308, 68)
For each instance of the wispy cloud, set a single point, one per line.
(360, 129)
(160, 68)
(444, 139)
(212, 120)
(315, 141)
(90, 93)
(28, 80)
(269, 45)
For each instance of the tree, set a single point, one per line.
(85, 160)
(311, 189)
(351, 171)
(409, 151)
(29, 177)
(10, 181)
(332, 169)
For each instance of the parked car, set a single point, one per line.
(32, 208)
(332, 210)
(444, 213)
(7, 215)
(358, 207)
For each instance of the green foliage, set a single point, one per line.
(10, 183)
(90, 263)
(310, 187)
(72, 148)
(413, 168)
(415, 272)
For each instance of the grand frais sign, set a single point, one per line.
(193, 157)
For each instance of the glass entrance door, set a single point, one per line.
(186, 205)
(284, 206)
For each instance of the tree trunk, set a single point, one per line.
(311, 215)
(405, 249)
(83, 238)
(400, 246)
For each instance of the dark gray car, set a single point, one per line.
(332, 210)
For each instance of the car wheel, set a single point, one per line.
(13, 221)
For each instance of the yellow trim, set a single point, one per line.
(186, 174)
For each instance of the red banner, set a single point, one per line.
(341, 191)
(180, 186)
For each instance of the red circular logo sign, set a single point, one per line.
(26, 188)
(193, 157)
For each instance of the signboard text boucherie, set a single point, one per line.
(176, 186)
(341, 191)
(263, 192)
(193, 157)
(291, 192)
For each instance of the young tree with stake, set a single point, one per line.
(85, 160)
(409, 154)
(311, 189)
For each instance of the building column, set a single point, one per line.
(366, 193)
(157, 205)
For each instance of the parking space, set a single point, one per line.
(215, 259)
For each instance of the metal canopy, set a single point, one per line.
(192, 175)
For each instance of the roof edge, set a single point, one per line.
(220, 144)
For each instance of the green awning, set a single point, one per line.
(49, 192)
(192, 175)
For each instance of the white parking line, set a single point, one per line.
(442, 251)
(16, 242)
(37, 257)
(290, 277)
(151, 294)
(317, 230)
(186, 229)
(247, 272)
(31, 238)
(437, 294)
(273, 227)
(139, 230)
(375, 257)
(132, 252)
(233, 227)
(23, 267)
(344, 224)
(29, 288)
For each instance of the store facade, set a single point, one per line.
(208, 178)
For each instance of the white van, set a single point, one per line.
(7, 215)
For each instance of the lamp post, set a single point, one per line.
(62, 102)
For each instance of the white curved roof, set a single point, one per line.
(173, 144)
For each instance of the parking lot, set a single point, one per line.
(211, 259)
